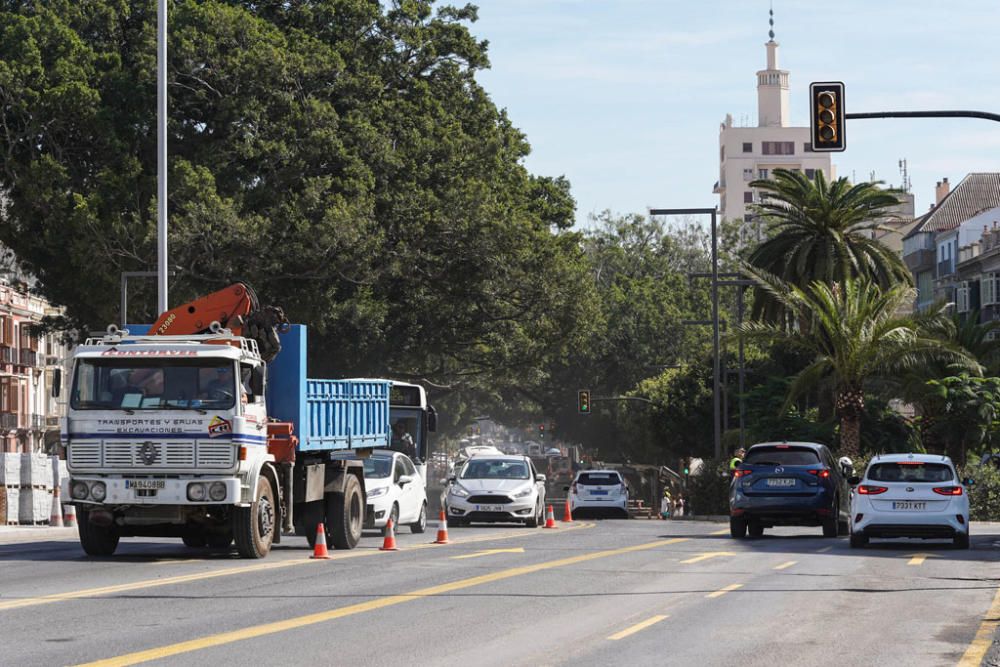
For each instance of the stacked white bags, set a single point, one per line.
(10, 487)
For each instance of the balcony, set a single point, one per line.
(920, 260)
(52, 421)
(8, 421)
(37, 422)
(945, 268)
(28, 358)
(7, 355)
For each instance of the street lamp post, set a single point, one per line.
(716, 405)
(161, 155)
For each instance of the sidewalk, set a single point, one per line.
(10, 534)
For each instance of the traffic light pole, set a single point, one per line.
(924, 114)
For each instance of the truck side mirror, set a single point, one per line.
(432, 419)
(56, 382)
(257, 378)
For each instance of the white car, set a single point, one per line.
(910, 495)
(394, 488)
(598, 491)
(497, 488)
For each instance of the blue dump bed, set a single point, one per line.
(328, 414)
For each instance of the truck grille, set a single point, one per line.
(152, 456)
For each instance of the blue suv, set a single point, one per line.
(789, 484)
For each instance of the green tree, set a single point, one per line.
(339, 155)
(822, 231)
(855, 333)
(967, 418)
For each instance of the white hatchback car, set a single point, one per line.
(598, 491)
(910, 495)
(496, 488)
(394, 489)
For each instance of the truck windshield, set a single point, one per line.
(151, 384)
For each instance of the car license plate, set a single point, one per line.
(145, 483)
(598, 492)
(781, 481)
(489, 508)
(908, 505)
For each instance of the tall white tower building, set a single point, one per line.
(754, 152)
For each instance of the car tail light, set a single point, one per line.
(822, 474)
(948, 490)
(737, 512)
(869, 490)
(572, 487)
(741, 472)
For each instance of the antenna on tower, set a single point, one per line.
(904, 175)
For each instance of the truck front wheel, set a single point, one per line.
(254, 526)
(346, 513)
(97, 540)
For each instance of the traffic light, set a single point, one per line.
(584, 402)
(541, 431)
(686, 466)
(827, 116)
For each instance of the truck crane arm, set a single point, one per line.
(236, 308)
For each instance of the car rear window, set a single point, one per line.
(910, 472)
(782, 456)
(598, 478)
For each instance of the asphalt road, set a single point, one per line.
(588, 593)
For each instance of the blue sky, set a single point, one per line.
(625, 97)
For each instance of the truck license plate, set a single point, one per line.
(489, 508)
(145, 483)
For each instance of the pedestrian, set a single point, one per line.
(666, 504)
(679, 506)
(737, 459)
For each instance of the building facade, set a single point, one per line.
(750, 153)
(29, 415)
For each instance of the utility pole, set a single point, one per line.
(161, 156)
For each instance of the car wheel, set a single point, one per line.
(832, 523)
(961, 541)
(421, 523)
(394, 516)
(737, 527)
(536, 519)
(858, 540)
(755, 529)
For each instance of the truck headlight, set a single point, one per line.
(457, 490)
(79, 490)
(98, 491)
(196, 492)
(217, 491)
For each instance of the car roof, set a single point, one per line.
(912, 456)
(501, 457)
(601, 471)
(810, 445)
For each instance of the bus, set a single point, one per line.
(408, 407)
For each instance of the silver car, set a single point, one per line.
(496, 488)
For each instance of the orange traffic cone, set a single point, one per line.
(442, 529)
(56, 515)
(319, 550)
(550, 518)
(69, 516)
(567, 513)
(389, 543)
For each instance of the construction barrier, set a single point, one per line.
(442, 537)
(550, 518)
(319, 550)
(389, 543)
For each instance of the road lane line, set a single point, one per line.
(983, 640)
(362, 607)
(244, 569)
(637, 627)
(918, 559)
(706, 556)
(722, 591)
(785, 565)
(490, 552)
(824, 550)
(724, 531)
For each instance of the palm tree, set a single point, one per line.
(823, 231)
(855, 333)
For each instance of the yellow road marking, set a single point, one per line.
(786, 564)
(918, 559)
(388, 601)
(243, 569)
(724, 531)
(706, 556)
(490, 552)
(722, 591)
(637, 627)
(983, 640)
(823, 550)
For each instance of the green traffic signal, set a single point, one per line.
(583, 403)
